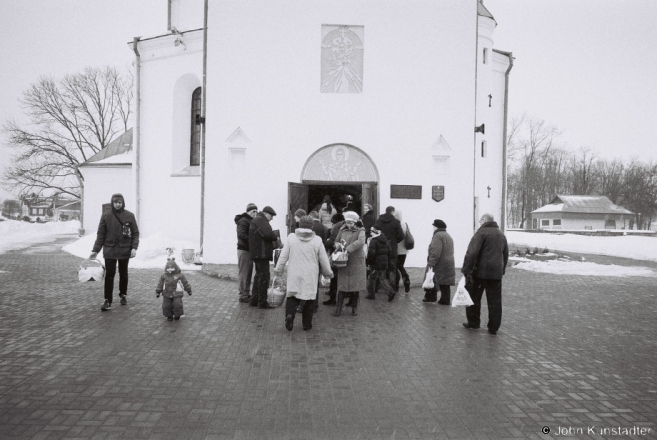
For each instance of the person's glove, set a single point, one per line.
(93, 255)
(469, 281)
(189, 293)
(157, 294)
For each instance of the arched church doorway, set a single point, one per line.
(344, 173)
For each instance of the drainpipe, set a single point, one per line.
(474, 151)
(504, 146)
(169, 17)
(137, 131)
(203, 106)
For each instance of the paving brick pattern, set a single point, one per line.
(573, 352)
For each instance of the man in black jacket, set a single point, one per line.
(391, 227)
(483, 266)
(261, 249)
(118, 236)
(244, 263)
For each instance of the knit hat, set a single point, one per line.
(306, 222)
(251, 206)
(439, 224)
(375, 231)
(299, 213)
(171, 266)
(350, 216)
(269, 210)
(314, 215)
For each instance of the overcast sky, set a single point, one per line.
(585, 66)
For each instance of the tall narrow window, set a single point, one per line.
(195, 142)
(485, 55)
(484, 149)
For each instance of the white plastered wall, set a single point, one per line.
(99, 185)
(419, 62)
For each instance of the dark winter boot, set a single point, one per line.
(445, 294)
(338, 304)
(354, 303)
(407, 284)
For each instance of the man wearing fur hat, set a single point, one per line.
(484, 266)
(244, 263)
(118, 236)
(261, 248)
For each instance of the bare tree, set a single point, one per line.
(71, 120)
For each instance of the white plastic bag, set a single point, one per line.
(94, 272)
(428, 280)
(462, 297)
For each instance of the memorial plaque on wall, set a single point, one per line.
(405, 191)
(438, 192)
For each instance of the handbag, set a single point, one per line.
(275, 294)
(428, 280)
(462, 298)
(409, 240)
(94, 272)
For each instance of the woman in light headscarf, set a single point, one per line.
(352, 278)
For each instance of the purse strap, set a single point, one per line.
(273, 280)
(117, 217)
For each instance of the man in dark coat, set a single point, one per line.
(379, 253)
(261, 249)
(338, 222)
(244, 263)
(483, 266)
(391, 227)
(118, 236)
(368, 219)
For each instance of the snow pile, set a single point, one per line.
(635, 247)
(152, 252)
(15, 234)
(584, 268)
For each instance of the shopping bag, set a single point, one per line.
(91, 270)
(428, 280)
(275, 294)
(462, 297)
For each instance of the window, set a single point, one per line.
(588, 228)
(534, 223)
(545, 222)
(485, 56)
(556, 222)
(484, 149)
(610, 224)
(195, 141)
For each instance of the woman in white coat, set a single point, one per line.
(305, 257)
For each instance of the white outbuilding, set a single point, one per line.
(397, 103)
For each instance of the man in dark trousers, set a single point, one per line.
(391, 227)
(244, 263)
(483, 266)
(261, 248)
(118, 236)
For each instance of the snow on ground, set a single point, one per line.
(152, 251)
(634, 247)
(16, 234)
(584, 268)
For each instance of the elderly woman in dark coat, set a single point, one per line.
(352, 278)
(441, 259)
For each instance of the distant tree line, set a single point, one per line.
(540, 168)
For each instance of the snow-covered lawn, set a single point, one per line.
(152, 252)
(634, 247)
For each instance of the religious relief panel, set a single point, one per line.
(342, 59)
(339, 163)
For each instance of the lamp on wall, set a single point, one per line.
(480, 129)
(199, 119)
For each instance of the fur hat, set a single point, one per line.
(171, 267)
(299, 213)
(350, 216)
(251, 206)
(269, 210)
(439, 224)
(306, 222)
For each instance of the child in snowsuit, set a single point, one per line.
(379, 255)
(172, 291)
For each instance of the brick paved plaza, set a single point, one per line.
(573, 353)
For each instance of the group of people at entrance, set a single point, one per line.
(355, 254)
(365, 254)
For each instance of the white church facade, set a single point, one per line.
(399, 103)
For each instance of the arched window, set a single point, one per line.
(195, 141)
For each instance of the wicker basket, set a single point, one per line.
(275, 294)
(339, 259)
